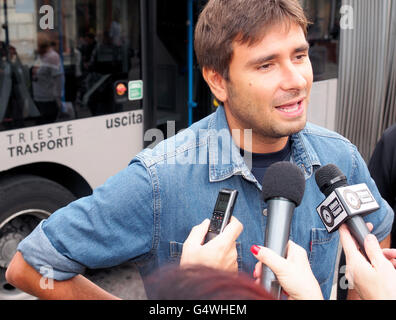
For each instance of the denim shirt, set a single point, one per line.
(146, 211)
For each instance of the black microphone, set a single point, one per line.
(344, 203)
(283, 190)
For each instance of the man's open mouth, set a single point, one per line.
(292, 109)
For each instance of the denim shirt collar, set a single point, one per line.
(218, 169)
(303, 154)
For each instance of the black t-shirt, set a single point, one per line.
(261, 161)
(382, 167)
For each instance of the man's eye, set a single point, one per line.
(265, 66)
(301, 56)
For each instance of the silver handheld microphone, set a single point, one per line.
(283, 190)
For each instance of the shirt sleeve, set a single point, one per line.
(39, 252)
(113, 225)
(382, 219)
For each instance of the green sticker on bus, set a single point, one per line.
(135, 90)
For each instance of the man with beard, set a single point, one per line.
(254, 57)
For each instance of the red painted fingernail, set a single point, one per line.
(254, 274)
(254, 249)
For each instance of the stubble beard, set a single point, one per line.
(261, 128)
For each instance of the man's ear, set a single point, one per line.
(216, 83)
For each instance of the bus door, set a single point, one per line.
(176, 82)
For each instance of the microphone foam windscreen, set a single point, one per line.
(284, 179)
(325, 174)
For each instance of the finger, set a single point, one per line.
(198, 233)
(370, 226)
(389, 253)
(271, 259)
(373, 249)
(257, 270)
(393, 261)
(348, 243)
(232, 231)
(295, 252)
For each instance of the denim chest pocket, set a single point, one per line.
(176, 248)
(323, 254)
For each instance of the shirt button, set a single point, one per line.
(265, 212)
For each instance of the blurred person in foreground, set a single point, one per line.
(200, 282)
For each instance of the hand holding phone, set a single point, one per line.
(222, 212)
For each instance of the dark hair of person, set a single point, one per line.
(203, 283)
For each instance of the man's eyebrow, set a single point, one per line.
(302, 48)
(262, 60)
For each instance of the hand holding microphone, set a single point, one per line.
(375, 278)
(344, 203)
(283, 190)
(293, 272)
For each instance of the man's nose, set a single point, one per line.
(292, 78)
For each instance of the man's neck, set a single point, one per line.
(265, 145)
(252, 142)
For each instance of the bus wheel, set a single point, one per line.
(24, 201)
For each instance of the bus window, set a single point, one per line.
(66, 63)
(323, 36)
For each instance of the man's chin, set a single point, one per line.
(288, 130)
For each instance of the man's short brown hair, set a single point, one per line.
(224, 21)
